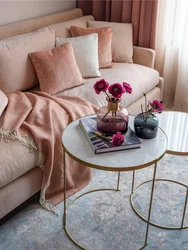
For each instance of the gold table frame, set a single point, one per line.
(167, 180)
(133, 189)
(171, 152)
(66, 207)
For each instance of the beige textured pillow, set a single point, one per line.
(63, 29)
(86, 53)
(16, 69)
(122, 40)
(104, 43)
(57, 69)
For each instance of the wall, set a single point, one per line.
(12, 11)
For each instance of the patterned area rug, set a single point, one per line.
(105, 220)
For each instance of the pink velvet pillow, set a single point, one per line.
(104, 42)
(57, 69)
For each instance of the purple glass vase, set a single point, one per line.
(112, 118)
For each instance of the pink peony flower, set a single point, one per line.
(101, 85)
(127, 87)
(116, 90)
(156, 106)
(117, 139)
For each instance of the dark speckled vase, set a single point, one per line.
(145, 126)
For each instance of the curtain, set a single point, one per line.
(141, 13)
(172, 52)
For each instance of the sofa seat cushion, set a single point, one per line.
(141, 78)
(15, 161)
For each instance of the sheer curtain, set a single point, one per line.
(172, 52)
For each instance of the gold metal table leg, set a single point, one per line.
(133, 181)
(64, 217)
(118, 182)
(150, 205)
(184, 209)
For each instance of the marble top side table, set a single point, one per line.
(76, 146)
(175, 126)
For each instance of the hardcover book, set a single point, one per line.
(100, 145)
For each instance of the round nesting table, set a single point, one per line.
(175, 125)
(77, 147)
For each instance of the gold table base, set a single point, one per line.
(133, 189)
(154, 224)
(95, 190)
(107, 189)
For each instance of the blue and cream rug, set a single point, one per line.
(105, 220)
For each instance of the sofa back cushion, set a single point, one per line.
(16, 69)
(57, 69)
(122, 40)
(63, 29)
(104, 42)
(33, 24)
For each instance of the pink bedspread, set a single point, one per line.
(44, 117)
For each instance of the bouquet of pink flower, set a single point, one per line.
(151, 107)
(115, 90)
(146, 123)
(106, 121)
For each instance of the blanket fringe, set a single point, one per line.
(8, 135)
(46, 203)
(40, 161)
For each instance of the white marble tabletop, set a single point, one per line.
(76, 145)
(175, 125)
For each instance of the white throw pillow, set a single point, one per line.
(3, 102)
(122, 39)
(86, 53)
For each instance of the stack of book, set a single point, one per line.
(101, 145)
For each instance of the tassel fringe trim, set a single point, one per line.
(46, 204)
(8, 135)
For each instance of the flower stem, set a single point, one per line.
(101, 136)
(108, 96)
(146, 109)
(142, 109)
(105, 115)
(149, 112)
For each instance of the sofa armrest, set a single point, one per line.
(144, 56)
(3, 102)
(161, 86)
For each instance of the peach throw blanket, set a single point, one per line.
(43, 117)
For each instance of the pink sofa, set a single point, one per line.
(20, 176)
